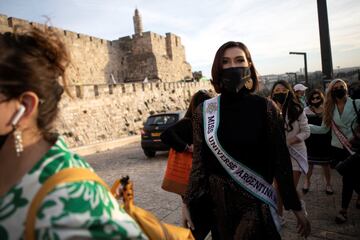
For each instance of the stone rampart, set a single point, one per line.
(93, 60)
(103, 107)
(128, 59)
(103, 113)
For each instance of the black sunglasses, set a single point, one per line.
(316, 98)
(337, 88)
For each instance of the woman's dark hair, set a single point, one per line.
(291, 106)
(34, 60)
(217, 66)
(313, 92)
(354, 90)
(198, 98)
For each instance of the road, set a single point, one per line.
(146, 173)
(147, 176)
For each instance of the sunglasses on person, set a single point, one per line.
(336, 88)
(316, 98)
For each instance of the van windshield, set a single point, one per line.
(162, 119)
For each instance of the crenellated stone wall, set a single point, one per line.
(102, 113)
(92, 59)
(153, 56)
(107, 104)
(128, 59)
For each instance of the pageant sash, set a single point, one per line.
(299, 158)
(342, 138)
(242, 175)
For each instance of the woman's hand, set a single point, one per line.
(186, 219)
(303, 224)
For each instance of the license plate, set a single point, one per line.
(155, 134)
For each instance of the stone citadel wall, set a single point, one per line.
(102, 113)
(153, 56)
(128, 59)
(92, 58)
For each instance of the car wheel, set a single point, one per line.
(149, 153)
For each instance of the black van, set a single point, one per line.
(153, 127)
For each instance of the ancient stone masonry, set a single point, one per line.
(138, 28)
(128, 59)
(107, 104)
(153, 56)
(102, 113)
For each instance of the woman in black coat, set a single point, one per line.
(180, 138)
(239, 140)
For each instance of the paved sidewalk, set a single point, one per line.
(105, 146)
(147, 175)
(322, 210)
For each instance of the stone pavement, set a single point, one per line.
(147, 176)
(322, 210)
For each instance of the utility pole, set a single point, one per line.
(326, 58)
(295, 76)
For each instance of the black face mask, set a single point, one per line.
(233, 79)
(338, 93)
(317, 104)
(280, 97)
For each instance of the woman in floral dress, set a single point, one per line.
(31, 64)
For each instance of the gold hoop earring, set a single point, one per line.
(249, 84)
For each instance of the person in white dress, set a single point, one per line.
(296, 131)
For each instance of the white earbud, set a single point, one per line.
(20, 112)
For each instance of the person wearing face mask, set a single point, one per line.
(180, 137)
(296, 131)
(318, 145)
(239, 149)
(340, 115)
(299, 90)
(33, 65)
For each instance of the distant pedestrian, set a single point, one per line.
(354, 90)
(296, 131)
(239, 148)
(299, 90)
(318, 145)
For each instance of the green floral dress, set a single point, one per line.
(83, 209)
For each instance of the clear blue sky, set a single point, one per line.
(270, 28)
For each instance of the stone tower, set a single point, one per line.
(143, 55)
(137, 23)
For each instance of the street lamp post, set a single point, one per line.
(305, 65)
(295, 76)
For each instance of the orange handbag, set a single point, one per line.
(177, 172)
